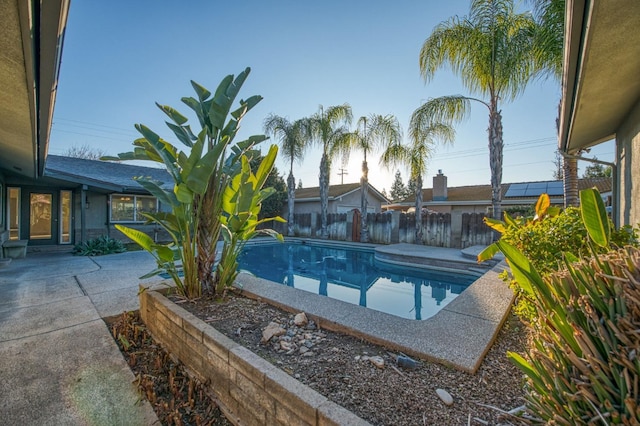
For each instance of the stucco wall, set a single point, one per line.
(628, 145)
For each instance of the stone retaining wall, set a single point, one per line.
(250, 390)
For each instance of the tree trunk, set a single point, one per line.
(291, 189)
(324, 195)
(570, 181)
(496, 145)
(364, 188)
(208, 233)
(418, 181)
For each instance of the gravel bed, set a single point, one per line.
(375, 383)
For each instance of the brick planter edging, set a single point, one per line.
(249, 389)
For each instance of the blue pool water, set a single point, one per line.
(354, 276)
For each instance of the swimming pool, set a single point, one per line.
(355, 276)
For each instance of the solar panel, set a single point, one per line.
(535, 189)
(516, 190)
(555, 188)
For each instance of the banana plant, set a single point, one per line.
(241, 204)
(190, 173)
(196, 198)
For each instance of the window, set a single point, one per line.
(129, 208)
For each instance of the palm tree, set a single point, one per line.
(329, 129)
(292, 145)
(549, 42)
(491, 51)
(371, 132)
(424, 133)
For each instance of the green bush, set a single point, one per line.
(582, 366)
(99, 246)
(546, 238)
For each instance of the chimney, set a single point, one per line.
(439, 187)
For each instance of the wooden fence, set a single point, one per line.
(439, 230)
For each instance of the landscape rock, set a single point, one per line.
(445, 396)
(377, 361)
(286, 346)
(301, 319)
(273, 329)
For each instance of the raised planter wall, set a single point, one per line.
(250, 390)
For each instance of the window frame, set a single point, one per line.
(134, 198)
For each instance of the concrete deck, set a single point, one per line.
(59, 363)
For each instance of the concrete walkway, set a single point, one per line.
(58, 362)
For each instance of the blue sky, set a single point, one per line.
(120, 57)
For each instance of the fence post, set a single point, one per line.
(395, 227)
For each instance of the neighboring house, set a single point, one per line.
(342, 199)
(477, 198)
(31, 39)
(601, 92)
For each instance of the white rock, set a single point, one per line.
(273, 329)
(286, 346)
(300, 320)
(303, 349)
(377, 361)
(445, 396)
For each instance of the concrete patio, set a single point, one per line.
(59, 363)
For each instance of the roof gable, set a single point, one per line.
(335, 191)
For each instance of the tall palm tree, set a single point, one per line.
(491, 51)
(329, 129)
(292, 144)
(424, 133)
(371, 132)
(549, 42)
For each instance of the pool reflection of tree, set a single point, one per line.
(286, 263)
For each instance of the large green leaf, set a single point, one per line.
(167, 152)
(202, 92)
(138, 237)
(523, 271)
(178, 118)
(196, 107)
(594, 216)
(183, 133)
(155, 188)
(266, 165)
(488, 253)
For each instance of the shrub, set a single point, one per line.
(99, 246)
(546, 238)
(582, 366)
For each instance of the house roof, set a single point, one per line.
(335, 191)
(482, 193)
(600, 83)
(31, 39)
(106, 175)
